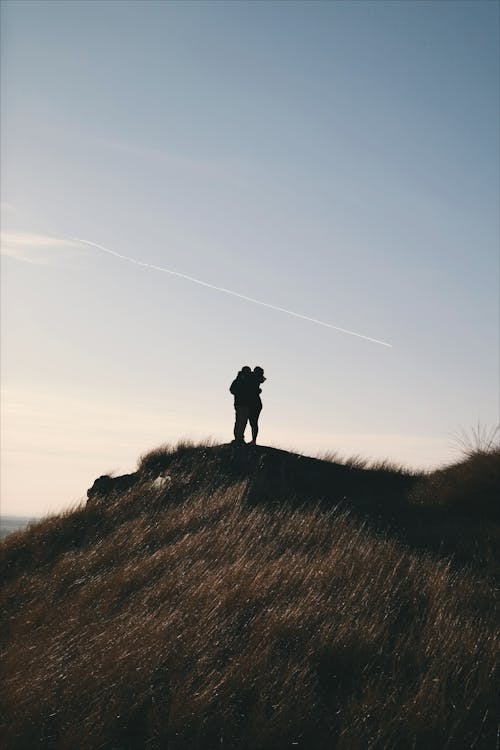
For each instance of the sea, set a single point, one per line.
(8, 524)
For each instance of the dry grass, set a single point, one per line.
(185, 616)
(470, 486)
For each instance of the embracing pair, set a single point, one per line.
(247, 402)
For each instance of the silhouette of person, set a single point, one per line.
(255, 406)
(247, 402)
(242, 389)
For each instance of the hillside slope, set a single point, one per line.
(238, 598)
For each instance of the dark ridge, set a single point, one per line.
(452, 512)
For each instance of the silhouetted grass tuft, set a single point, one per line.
(158, 459)
(470, 486)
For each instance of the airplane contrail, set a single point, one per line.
(228, 291)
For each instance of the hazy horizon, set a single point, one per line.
(339, 161)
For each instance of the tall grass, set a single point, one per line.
(187, 616)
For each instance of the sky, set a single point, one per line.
(339, 160)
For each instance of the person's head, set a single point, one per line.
(245, 371)
(259, 374)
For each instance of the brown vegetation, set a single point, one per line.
(256, 600)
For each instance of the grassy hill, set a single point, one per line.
(253, 598)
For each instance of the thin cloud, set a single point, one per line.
(244, 297)
(233, 172)
(7, 208)
(183, 162)
(40, 249)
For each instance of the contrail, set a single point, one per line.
(228, 291)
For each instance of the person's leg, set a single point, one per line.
(254, 423)
(237, 420)
(240, 423)
(243, 419)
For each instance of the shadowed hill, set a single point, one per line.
(452, 512)
(253, 598)
(279, 476)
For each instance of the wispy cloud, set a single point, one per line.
(230, 171)
(44, 249)
(102, 433)
(231, 292)
(7, 208)
(40, 249)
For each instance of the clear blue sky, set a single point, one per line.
(338, 159)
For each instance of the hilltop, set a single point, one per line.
(254, 598)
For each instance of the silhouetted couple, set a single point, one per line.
(247, 402)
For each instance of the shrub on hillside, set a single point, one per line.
(470, 486)
(155, 461)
